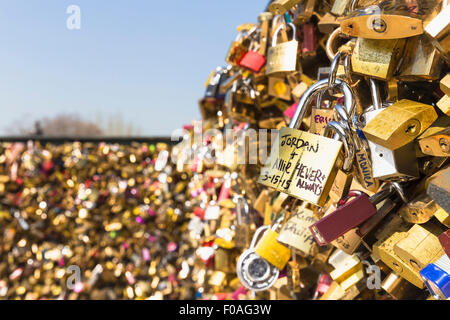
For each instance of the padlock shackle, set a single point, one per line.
(350, 194)
(281, 26)
(313, 91)
(375, 94)
(256, 235)
(349, 148)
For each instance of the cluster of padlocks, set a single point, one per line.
(352, 200)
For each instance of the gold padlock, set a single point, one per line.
(282, 57)
(420, 246)
(293, 166)
(295, 232)
(395, 231)
(435, 141)
(421, 61)
(377, 58)
(282, 6)
(279, 88)
(400, 123)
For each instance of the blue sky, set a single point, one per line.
(144, 60)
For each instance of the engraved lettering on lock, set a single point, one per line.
(365, 169)
(314, 177)
(290, 141)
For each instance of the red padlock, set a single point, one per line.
(253, 61)
(348, 215)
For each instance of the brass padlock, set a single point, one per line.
(421, 60)
(282, 57)
(278, 87)
(400, 123)
(419, 210)
(435, 141)
(344, 177)
(282, 6)
(420, 246)
(370, 25)
(395, 231)
(293, 166)
(377, 58)
(295, 232)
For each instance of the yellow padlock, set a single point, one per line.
(273, 251)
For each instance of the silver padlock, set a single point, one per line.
(400, 164)
(254, 272)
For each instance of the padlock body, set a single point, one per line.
(302, 165)
(345, 218)
(400, 123)
(253, 61)
(282, 58)
(273, 251)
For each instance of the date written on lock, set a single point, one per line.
(302, 165)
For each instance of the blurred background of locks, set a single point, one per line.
(352, 202)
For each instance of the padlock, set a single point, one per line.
(299, 174)
(349, 215)
(377, 58)
(254, 272)
(282, 6)
(400, 123)
(421, 61)
(398, 288)
(254, 60)
(295, 232)
(303, 11)
(278, 88)
(438, 188)
(419, 210)
(212, 89)
(438, 31)
(373, 25)
(435, 141)
(282, 57)
(239, 47)
(392, 233)
(444, 84)
(341, 184)
(348, 269)
(339, 7)
(437, 278)
(351, 241)
(270, 249)
(420, 246)
(309, 43)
